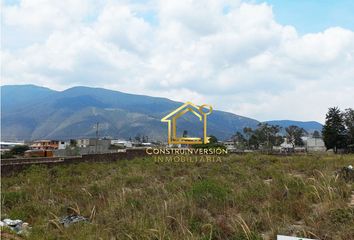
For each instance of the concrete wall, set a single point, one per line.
(15, 165)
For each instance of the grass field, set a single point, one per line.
(243, 197)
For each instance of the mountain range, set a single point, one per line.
(309, 126)
(31, 112)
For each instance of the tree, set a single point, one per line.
(262, 135)
(248, 133)
(334, 132)
(185, 133)
(73, 143)
(294, 134)
(267, 135)
(239, 140)
(316, 134)
(254, 142)
(213, 143)
(138, 138)
(349, 125)
(19, 149)
(213, 139)
(274, 138)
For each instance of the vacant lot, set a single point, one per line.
(243, 197)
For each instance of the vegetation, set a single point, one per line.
(294, 134)
(265, 136)
(15, 151)
(338, 131)
(213, 143)
(244, 197)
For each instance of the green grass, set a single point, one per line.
(247, 197)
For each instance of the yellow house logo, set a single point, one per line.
(171, 120)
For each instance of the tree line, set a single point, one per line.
(265, 136)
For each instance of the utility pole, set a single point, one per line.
(96, 136)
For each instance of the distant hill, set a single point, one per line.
(32, 112)
(309, 126)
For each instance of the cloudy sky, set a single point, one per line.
(266, 60)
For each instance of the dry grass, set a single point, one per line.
(245, 197)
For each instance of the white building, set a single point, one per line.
(315, 145)
(63, 144)
(93, 145)
(230, 146)
(85, 142)
(122, 143)
(286, 146)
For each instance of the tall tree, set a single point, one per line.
(349, 124)
(275, 139)
(294, 134)
(248, 133)
(316, 134)
(267, 135)
(333, 132)
(239, 140)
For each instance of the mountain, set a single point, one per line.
(32, 112)
(309, 126)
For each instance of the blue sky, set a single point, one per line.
(281, 60)
(313, 15)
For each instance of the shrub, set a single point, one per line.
(19, 150)
(342, 215)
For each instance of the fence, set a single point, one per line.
(15, 165)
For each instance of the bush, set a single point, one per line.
(342, 215)
(6, 154)
(19, 150)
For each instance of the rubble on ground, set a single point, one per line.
(18, 226)
(347, 173)
(71, 219)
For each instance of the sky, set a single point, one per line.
(266, 60)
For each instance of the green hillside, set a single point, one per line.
(31, 112)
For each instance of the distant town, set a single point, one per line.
(336, 136)
(73, 147)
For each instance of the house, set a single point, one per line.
(85, 142)
(122, 143)
(45, 145)
(315, 145)
(230, 146)
(284, 147)
(63, 144)
(147, 144)
(93, 145)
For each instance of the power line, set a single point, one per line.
(96, 136)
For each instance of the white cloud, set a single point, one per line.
(233, 55)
